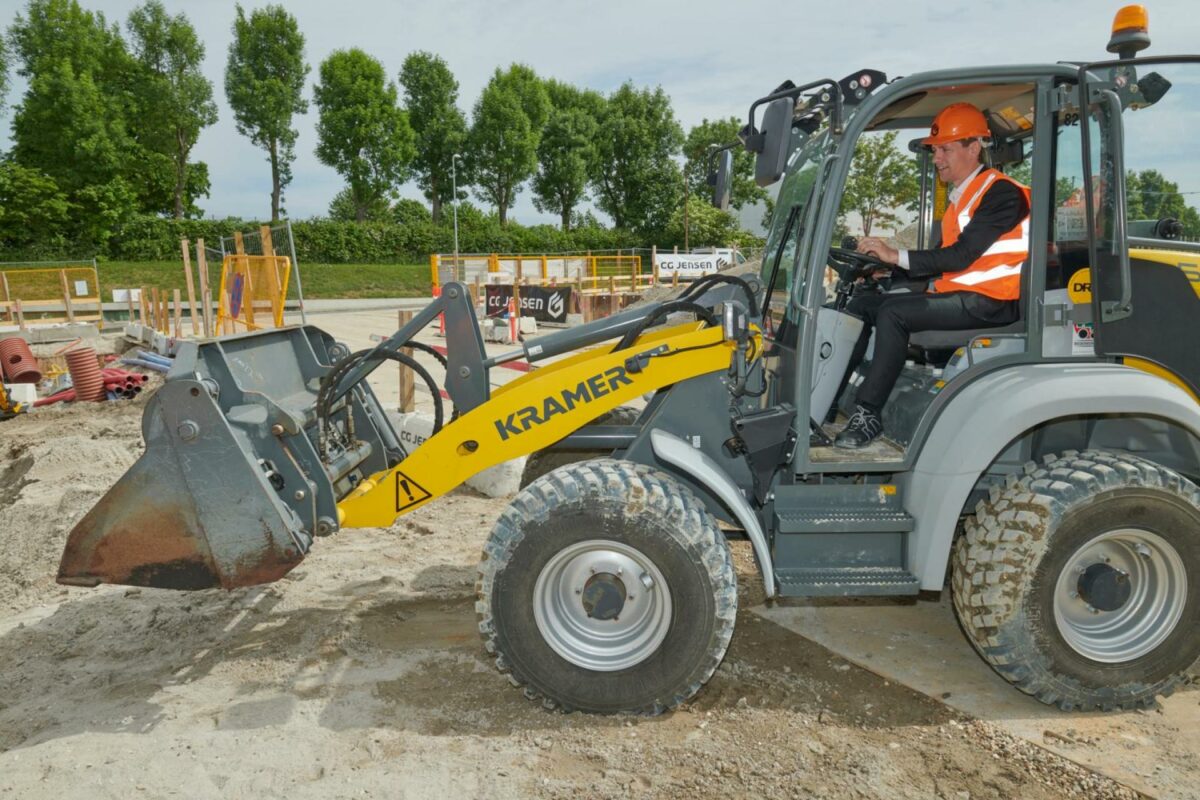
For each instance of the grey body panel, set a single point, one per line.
(999, 407)
(708, 473)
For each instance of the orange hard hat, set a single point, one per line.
(956, 122)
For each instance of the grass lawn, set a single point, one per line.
(319, 280)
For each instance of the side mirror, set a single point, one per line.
(772, 142)
(722, 180)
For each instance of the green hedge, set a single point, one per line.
(331, 242)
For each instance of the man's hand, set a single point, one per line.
(880, 249)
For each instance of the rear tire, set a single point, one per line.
(1079, 582)
(543, 461)
(607, 587)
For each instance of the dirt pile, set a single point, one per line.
(362, 674)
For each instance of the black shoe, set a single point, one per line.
(862, 429)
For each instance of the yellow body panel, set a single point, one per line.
(539, 409)
(1187, 262)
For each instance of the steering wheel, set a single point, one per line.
(852, 265)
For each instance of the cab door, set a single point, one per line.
(1142, 200)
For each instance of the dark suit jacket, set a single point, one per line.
(1001, 208)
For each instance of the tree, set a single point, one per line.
(696, 149)
(502, 145)
(525, 84)
(361, 131)
(264, 78)
(1149, 195)
(635, 176)
(566, 154)
(176, 98)
(431, 97)
(407, 211)
(3, 72)
(707, 226)
(33, 210)
(72, 123)
(343, 209)
(882, 180)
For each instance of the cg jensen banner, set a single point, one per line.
(543, 303)
(690, 265)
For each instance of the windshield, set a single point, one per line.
(807, 152)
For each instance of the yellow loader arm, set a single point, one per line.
(534, 411)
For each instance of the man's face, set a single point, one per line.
(956, 160)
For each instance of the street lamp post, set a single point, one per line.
(454, 188)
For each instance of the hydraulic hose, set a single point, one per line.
(662, 311)
(708, 281)
(324, 400)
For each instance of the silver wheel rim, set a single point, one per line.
(1157, 595)
(603, 645)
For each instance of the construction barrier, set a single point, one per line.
(60, 294)
(534, 269)
(253, 289)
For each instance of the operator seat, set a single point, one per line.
(939, 345)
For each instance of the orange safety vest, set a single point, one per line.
(996, 273)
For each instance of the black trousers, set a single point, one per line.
(894, 316)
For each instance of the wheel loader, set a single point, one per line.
(1045, 472)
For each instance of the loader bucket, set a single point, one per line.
(229, 491)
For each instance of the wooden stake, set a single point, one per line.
(178, 317)
(6, 298)
(407, 399)
(191, 290)
(205, 289)
(129, 297)
(66, 288)
(154, 318)
(268, 247)
(239, 246)
(20, 314)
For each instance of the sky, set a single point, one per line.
(712, 58)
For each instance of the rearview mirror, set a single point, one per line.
(773, 141)
(722, 180)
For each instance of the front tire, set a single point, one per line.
(1079, 582)
(607, 587)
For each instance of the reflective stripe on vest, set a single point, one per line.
(997, 272)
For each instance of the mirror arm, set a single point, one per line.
(755, 140)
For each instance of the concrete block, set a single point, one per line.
(499, 332)
(501, 480)
(527, 324)
(26, 393)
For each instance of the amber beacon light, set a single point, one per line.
(1130, 31)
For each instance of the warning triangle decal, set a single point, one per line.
(409, 492)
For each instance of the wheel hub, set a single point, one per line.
(1104, 588)
(1120, 595)
(603, 596)
(602, 605)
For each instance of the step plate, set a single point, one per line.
(843, 520)
(846, 582)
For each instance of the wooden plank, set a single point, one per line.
(5, 296)
(66, 289)
(407, 386)
(205, 289)
(268, 247)
(191, 289)
(248, 297)
(178, 317)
